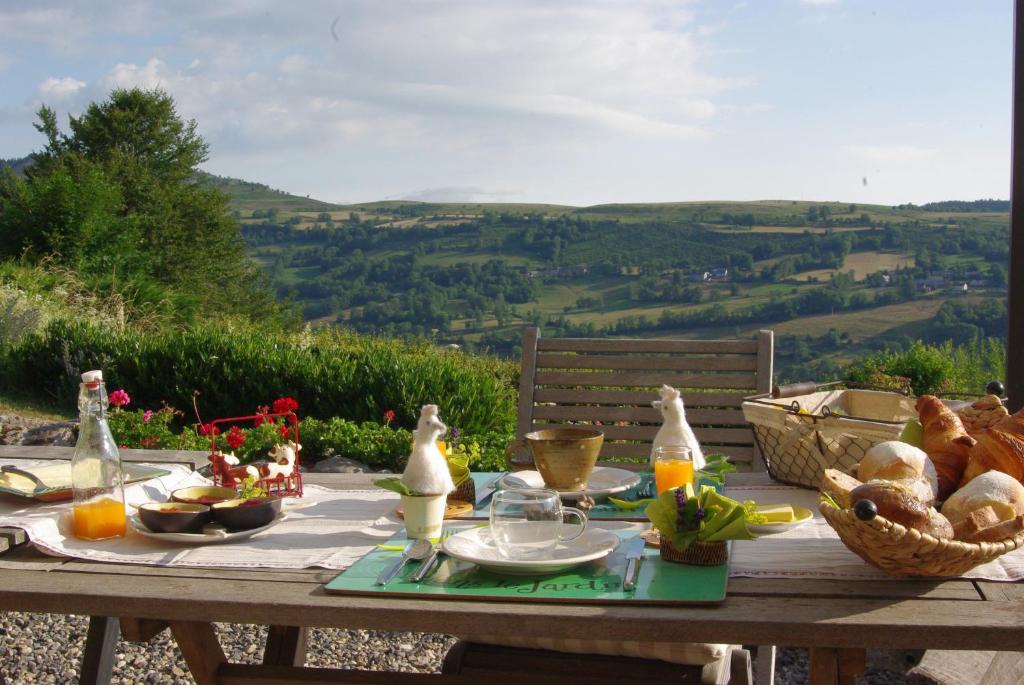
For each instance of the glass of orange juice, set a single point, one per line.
(673, 467)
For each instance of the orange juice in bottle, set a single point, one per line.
(673, 467)
(96, 476)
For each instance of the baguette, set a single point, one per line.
(1000, 531)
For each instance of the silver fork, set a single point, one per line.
(431, 564)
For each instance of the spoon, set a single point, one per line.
(418, 550)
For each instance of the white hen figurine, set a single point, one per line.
(674, 428)
(427, 471)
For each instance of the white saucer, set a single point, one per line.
(212, 534)
(604, 481)
(476, 546)
(803, 515)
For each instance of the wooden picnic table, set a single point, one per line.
(836, 619)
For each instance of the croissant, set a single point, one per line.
(945, 442)
(999, 448)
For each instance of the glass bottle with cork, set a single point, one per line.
(96, 476)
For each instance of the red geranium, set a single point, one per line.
(283, 405)
(261, 415)
(285, 431)
(235, 437)
(389, 416)
(208, 429)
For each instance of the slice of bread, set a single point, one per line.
(838, 486)
(976, 521)
(1000, 531)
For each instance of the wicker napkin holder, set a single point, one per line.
(697, 554)
(464, 492)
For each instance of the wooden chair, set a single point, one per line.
(584, 380)
(613, 382)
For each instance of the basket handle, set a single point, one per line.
(794, 389)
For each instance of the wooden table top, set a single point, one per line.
(894, 614)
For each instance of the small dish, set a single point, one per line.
(174, 517)
(211, 534)
(604, 481)
(476, 546)
(801, 516)
(204, 494)
(245, 514)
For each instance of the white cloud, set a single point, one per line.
(819, 3)
(60, 87)
(890, 153)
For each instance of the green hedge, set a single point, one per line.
(330, 373)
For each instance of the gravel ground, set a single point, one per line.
(46, 649)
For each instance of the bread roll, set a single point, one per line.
(991, 489)
(938, 526)
(838, 486)
(897, 503)
(895, 460)
(1000, 531)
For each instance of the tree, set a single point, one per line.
(117, 199)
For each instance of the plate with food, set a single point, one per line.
(210, 534)
(780, 518)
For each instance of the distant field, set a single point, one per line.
(862, 264)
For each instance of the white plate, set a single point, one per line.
(476, 546)
(803, 515)
(212, 534)
(604, 481)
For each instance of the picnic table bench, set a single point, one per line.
(836, 620)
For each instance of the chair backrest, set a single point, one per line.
(589, 380)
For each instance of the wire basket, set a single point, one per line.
(828, 428)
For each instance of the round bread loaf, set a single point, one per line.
(895, 460)
(897, 503)
(993, 489)
(938, 526)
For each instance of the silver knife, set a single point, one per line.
(488, 489)
(634, 555)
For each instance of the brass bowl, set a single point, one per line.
(565, 457)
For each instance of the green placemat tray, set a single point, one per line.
(598, 582)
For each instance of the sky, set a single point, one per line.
(576, 102)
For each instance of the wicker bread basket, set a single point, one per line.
(697, 554)
(906, 552)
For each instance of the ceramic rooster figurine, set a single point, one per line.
(674, 428)
(427, 471)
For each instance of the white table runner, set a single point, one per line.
(325, 528)
(813, 550)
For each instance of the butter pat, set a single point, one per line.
(777, 513)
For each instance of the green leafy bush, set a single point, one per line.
(930, 369)
(234, 367)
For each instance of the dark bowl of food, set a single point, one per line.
(204, 494)
(174, 517)
(244, 514)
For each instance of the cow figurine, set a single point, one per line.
(226, 465)
(283, 464)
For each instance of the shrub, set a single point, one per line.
(931, 369)
(330, 373)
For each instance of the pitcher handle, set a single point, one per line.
(583, 522)
(517, 447)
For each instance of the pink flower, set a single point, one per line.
(147, 415)
(119, 398)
